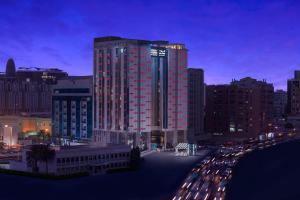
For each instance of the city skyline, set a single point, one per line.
(152, 100)
(253, 38)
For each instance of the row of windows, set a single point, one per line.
(89, 168)
(94, 157)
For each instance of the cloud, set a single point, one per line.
(54, 53)
(231, 39)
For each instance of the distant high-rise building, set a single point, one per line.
(27, 92)
(297, 74)
(241, 109)
(195, 104)
(293, 95)
(72, 113)
(140, 92)
(280, 103)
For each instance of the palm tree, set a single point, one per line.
(42, 134)
(2, 144)
(40, 152)
(71, 139)
(47, 155)
(34, 155)
(135, 157)
(56, 138)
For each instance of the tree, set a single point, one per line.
(48, 154)
(44, 135)
(71, 138)
(41, 134)
(56, 138)
(42, 153)
(2, 145)
(135, 157)
(34, 155)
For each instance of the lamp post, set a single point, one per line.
(10, 134)
(1, 133)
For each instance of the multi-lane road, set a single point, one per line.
(208, 179)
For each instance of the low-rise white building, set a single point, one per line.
(77, 159)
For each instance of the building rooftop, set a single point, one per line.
(116, 38)
(195, 69)
(249, 82)
(39, 69)
(77, 77)
(10, 68)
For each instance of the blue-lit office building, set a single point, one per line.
(72, 107)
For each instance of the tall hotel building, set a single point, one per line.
(140, 90)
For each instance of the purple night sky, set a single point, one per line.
(228, 39)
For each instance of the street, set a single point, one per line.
(208, 179)
(159, 176)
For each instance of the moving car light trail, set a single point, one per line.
(208, 180)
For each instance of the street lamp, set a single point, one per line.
(10, 135)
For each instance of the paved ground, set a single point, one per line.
(267, 174)
(160, 176)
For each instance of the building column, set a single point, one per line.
(185, 134)
(137, 139)
(118, 138)
(149, 140)
(165, 139)
(175, 138)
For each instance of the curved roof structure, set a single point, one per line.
(10, 68)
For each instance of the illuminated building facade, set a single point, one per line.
(12, 128)
(140, 92)
(27, 91)
(72, 107)
(241, 109)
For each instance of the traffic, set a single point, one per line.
(208, 179)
